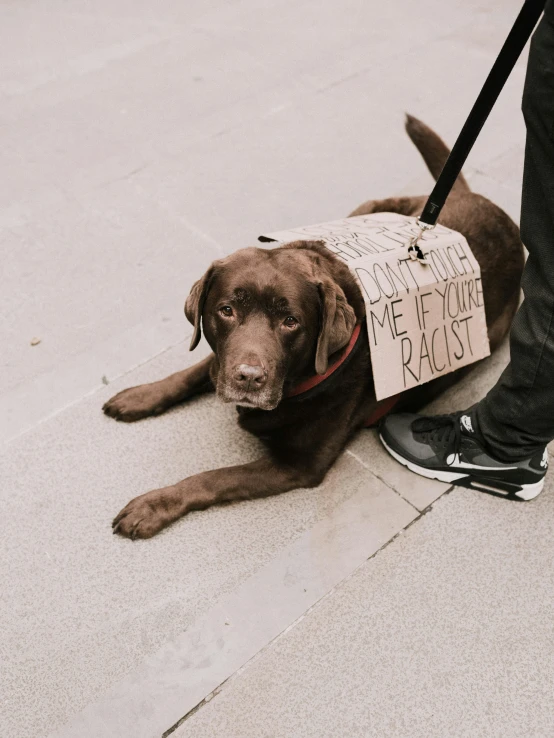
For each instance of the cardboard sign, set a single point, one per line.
(423, 320)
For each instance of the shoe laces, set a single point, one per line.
(441, 430)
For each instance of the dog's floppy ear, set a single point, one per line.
(195, 303)
(336, 323)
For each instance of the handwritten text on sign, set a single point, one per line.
(423, 321)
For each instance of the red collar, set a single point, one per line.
(312, 382)
(383, 406)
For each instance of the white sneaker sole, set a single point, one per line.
(527, 491)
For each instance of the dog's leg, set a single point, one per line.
(155, 398)
(146, 515)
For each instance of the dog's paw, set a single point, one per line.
(144, 516)
(136, 403)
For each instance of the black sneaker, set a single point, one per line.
(445, 447)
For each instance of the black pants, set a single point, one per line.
(516, 418)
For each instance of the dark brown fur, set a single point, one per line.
(303, 438)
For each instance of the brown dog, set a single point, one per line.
(273, 318)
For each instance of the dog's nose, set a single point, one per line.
(250, 376)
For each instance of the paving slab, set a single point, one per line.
(445, 632)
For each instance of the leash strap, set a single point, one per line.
(502, 67)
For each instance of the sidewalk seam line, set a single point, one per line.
(384, 481)
(93, 391)
(261, 652)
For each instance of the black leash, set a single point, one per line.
(502, 67)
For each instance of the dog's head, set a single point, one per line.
(272, 316)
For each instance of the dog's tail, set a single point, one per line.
(433, 150)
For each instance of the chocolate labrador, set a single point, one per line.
(287, 330)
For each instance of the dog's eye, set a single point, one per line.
(290, 321)
(226, 310)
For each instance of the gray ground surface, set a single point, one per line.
(139, 142)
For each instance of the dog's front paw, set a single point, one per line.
(136, 403)
(146, 515)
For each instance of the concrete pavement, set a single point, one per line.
(446, 632)
(140, 142)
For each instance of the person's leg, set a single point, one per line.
(516, 418)
(498, 445)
